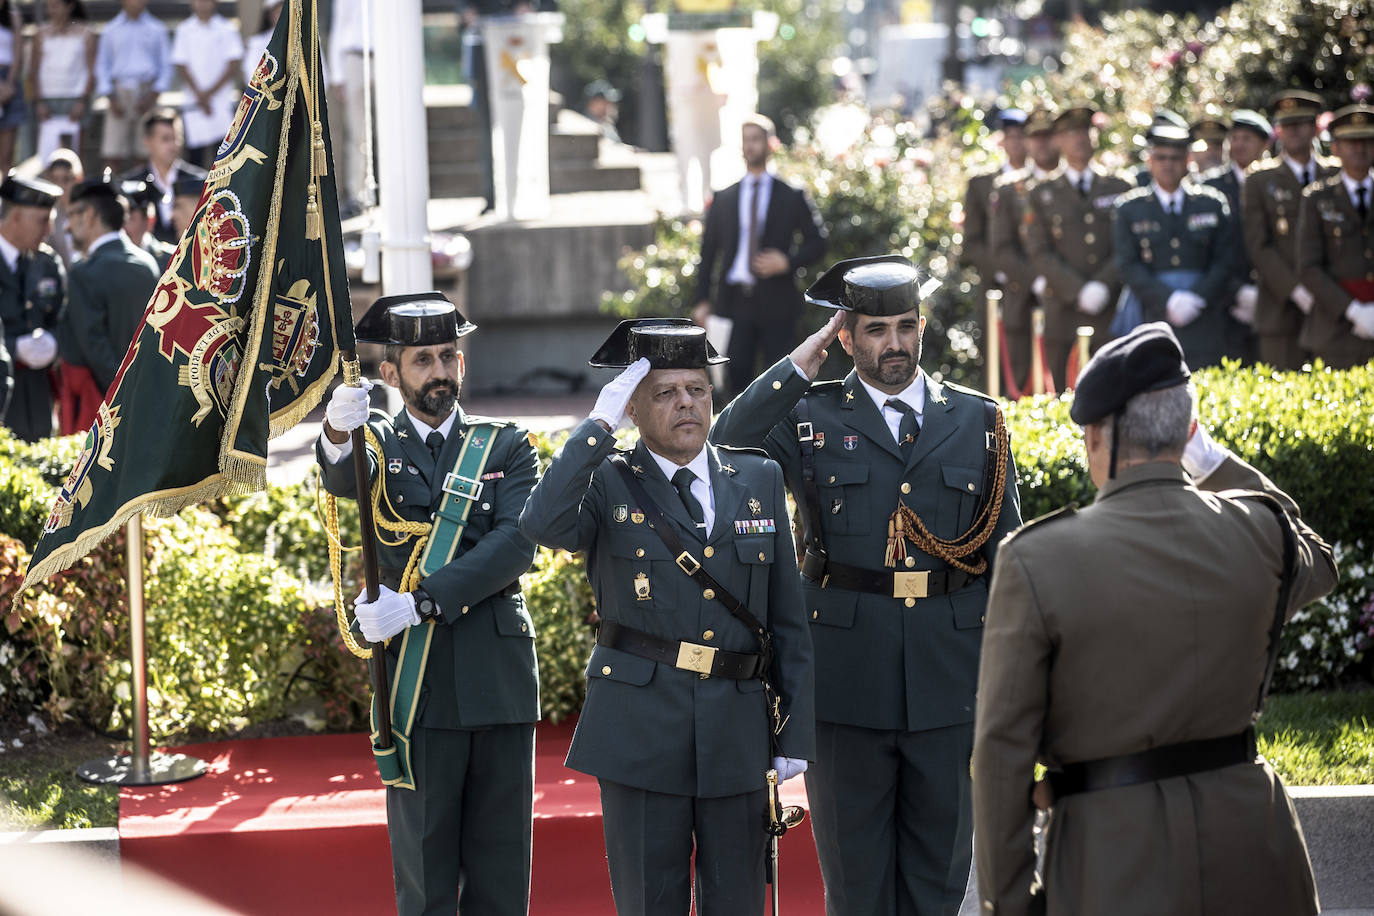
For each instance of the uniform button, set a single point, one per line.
(777, 385)
(763, 557)
(606, 670)
(591, 440)
(709, 594)
(1089, 238)
(970, 488)
(1088, 221)
(486, 507)
(910, 602)
(709, 634)
(639, 551)
(400, 497)
(1092, 259)
(815, 614)
(1174, 260)
(982, 618)
(1174, 243)
(709, 552)
(524, 627)
(906, 488)
(910, 562)
(832, 478)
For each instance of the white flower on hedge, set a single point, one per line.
(1291, 661)
(1307, 641)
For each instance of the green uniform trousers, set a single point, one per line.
(649, 848)
(460, 841)
(891, 812)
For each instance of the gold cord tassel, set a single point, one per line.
(312, 212)
(321, 167)
(890, 554)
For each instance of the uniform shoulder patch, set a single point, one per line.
(1042, 521)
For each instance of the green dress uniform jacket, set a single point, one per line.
(1240, 338)
(161, 251)
(1140, 621)
(976, 252)
(1336, 263)
(6, 378)
(1270, 216)
(38, 302)
(1201, 239)
(652, 726)
(107, 294)
(1068, 238)
(1006, 212)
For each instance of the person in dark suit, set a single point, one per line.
(758, 234)
(108, 291)
(33, 298)
(164, 167)
(459, 805)
(907, 485)
(678, 727)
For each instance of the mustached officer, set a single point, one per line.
(701, 674)
(906, 485)
(465, 692)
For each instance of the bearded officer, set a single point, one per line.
(452, 487)
(691, 559)
(33, 297)
(906, 485)
(1104, 628)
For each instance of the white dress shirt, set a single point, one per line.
(1297, 169)
(913, 395)
(739, 269)
(336, 452)
(1350, 187)
(1172, 203)
(1075, 177)
(700, 488)
(9, 253)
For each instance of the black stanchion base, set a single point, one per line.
(161, 770)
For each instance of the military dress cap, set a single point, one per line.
(188, 187)
(140, 193)
(668, 343)
(1353, 122)
(1147, 359)
(1293, 105)
(1040, 121)
(1168, 135)
(1011, 117)
(1079, 117)
(29, 192)
(94, 187)
(602, 89)
(1213, 130)
(416, 320)
(1253, 121)
(880, 286)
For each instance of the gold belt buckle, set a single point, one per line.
(694, 657)
(688, 563)
(910, 584)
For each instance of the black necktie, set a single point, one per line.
(1306, 175)
(1361, 202)
(435, 441)
(1083, 185)
(683, 481)
(21, 269)
(909, 429)
(753, 224)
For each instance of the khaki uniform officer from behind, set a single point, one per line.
(1175, 242)
(462, 643)
(1067, 232)
(33, 297)
(1126, 648)
(1336, 247)
(691, 559)
(906, 485)
(1273, 192)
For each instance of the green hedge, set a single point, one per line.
(241, 623)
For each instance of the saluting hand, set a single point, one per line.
(811, 352)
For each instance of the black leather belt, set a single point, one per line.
(708, 661)
(892, 583)
(1167, 762)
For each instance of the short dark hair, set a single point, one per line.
(110, 209)
(392, 354)
(164, 115)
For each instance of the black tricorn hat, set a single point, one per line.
(879, 286)
(416, 320)
(29, 192)
(94, 187)
(140, 193)
(1147, 359)
(668, 343)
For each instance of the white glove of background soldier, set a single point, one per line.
(611, 402)
(1361, 315)
(1092, 298)
(347, 408)
(36, 350)
(1184, 306)
(788, 767)
(382, 619)
(1247, 297)
(1303, 299)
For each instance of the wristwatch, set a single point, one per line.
(426, 606)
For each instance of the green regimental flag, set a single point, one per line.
(243, 332)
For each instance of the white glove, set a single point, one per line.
(610, 403)
(788, 767)
(1361, 315)
(1202, 455)
(1000, 277)
(36, 350)
(1092, 298)
(1039, 286)
(1303, 299)
(1247, 297)
(1184, 306)
(347, 408)
(382, 619)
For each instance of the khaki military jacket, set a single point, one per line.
(1269, 211)
(1006, 204)
(651, 725)
(975, 252)
(1336, 263)
(1068, 237)
(1140, 621)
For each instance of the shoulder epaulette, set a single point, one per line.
(973, 391)
(45, 248)
(1206, 190)
(1322, 184)
(1263, 165)
(826, 386)
(1060, 513)
(742, 450)
(1136, 193)
(1215, 173)
(1010, 178)
(473, 420)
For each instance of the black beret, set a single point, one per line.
(879, 286)
(416, 320)
(1147, 359)
(668, 343)
(29, 192)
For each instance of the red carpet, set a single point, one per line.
(298, 826)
